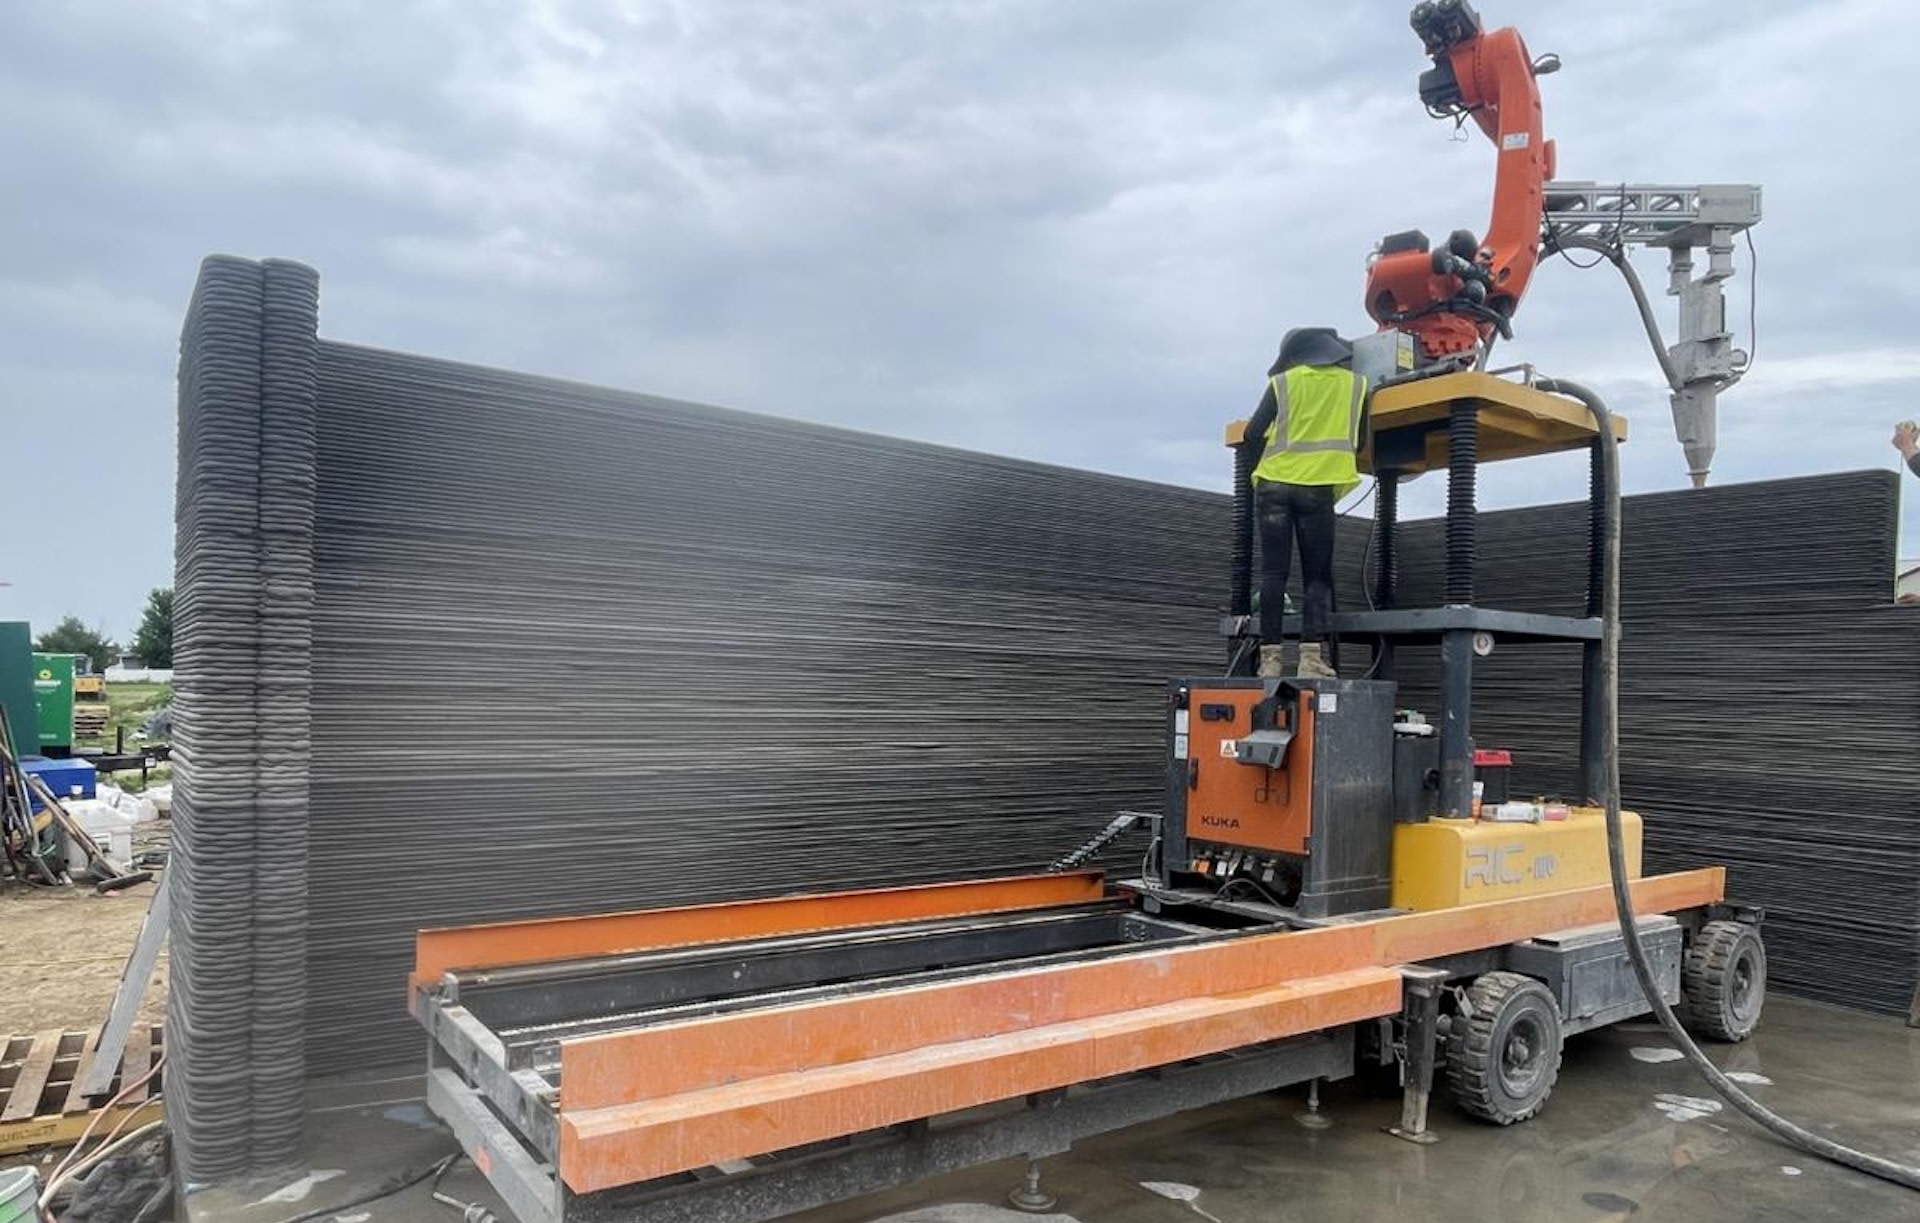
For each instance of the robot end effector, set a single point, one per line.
(1455, 300)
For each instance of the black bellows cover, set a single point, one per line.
(456, 644)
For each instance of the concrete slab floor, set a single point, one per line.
(1631, 1133)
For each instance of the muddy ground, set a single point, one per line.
(62, 950)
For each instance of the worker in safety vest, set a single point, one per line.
(1309, 424)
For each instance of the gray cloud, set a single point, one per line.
(1067, 231)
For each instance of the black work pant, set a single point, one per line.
(1289, 513)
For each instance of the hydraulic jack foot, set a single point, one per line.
(1420, 1013)
(1029, 1197)
(1313, 1118)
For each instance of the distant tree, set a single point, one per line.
(153, 640)
(70, 636)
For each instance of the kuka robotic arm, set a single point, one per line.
(1456, 298)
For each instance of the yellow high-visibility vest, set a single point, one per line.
(1316, 432)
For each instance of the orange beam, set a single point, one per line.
(621, 1145)
(500, 944)
(651, 1063)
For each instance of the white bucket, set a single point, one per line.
(19, 1196)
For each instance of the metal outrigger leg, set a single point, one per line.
(1421, 1017)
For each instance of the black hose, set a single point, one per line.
(1753, 1110)
(388, 1189)
(1617, 256)
(470, 1212)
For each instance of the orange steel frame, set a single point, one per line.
(622, 1144)
(650, 1102)
(541, 940)
(1498, 89)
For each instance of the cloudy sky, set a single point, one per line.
(1071, 230)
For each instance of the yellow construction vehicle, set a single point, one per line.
(88, 684)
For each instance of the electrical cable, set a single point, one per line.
(1366, 588)
(470, 1212)
(1242, 879)
(1753, 1110)
(1359, 501)
(1560, 248)
(70, 1167)
(112, 1134)
(60, 1179)
(1366, 584)
(386, 1190)
(1373, 486)
(1486, 353)
(1239, 655)
(1615, 249)
(73, 1156)
(1753, 304)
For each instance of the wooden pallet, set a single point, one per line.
(40, 1100)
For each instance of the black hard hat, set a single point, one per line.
(1312, 346)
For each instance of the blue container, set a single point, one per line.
(60, 776)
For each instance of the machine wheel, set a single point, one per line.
(1724, 980)
(1503, 1050)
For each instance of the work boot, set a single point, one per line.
(1273, 662)
(1313, 662)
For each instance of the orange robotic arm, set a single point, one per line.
(1455, 298)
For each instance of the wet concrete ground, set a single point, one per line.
(1631, 1133)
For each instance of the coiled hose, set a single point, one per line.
(1753, 1110)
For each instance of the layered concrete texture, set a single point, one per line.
(459, 645)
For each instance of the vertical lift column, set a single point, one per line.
(1453, 422)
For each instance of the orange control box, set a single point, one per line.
(1228, 802)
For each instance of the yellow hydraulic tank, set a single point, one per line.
(1442, 864)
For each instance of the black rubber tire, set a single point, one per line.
(1724, 981)
(1503, 1052)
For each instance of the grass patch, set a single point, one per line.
(131, 783)
(130, 705)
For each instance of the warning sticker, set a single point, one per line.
(1179, 747)
(1515, 140)
(1226, 750)
(1329, 702)
(1179, 721)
